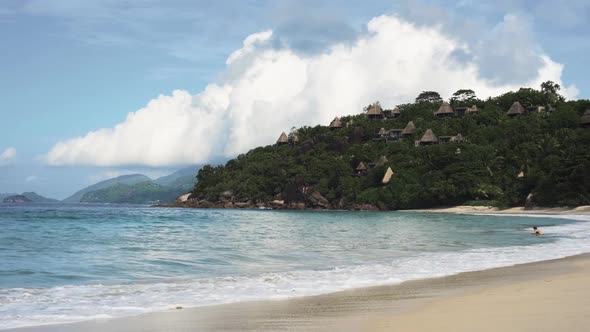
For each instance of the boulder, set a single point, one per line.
(528, 203)
(317, 200)
(277, 203)
(183, 198)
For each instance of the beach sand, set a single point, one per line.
(462, 209)
(545, 296)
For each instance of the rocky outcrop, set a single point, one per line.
(227, 200)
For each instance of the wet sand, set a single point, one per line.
(462, 209)
(545, 296)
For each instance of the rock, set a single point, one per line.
(365, 207)
(242, 205)
(528, 203)
(277, 203)
(228, 205)
(317, 200)
(297, 206)
(183, 198)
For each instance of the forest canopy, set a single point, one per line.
(500, 160)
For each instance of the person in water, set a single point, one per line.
(536, 231)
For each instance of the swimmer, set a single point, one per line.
(536, 231)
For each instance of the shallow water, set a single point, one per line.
(71, 263)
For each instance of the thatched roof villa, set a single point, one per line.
(445, 110)
(410, 129)
(428, 138)
(516, 109)
(336, 123)
(283, 139)
(375, 111)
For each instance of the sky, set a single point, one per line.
(94, 89)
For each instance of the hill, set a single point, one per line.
(36, 198)
(528, 146)
(183, 178)
(125, 179)
(146, 192)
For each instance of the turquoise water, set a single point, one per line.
(71, 263)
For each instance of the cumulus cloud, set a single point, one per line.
(7, 156)
(266, 90)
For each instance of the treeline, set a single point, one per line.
(501, 162)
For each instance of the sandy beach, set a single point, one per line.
(463, 209)
(544, 296)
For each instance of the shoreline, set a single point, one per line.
(385, 307)
(463, 209)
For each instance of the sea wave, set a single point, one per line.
(73, 303)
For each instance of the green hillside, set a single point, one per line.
(146, 192)
(498, 159)
(125, 179)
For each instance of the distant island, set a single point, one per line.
(137, 189)
(26, 197)
(528, 147)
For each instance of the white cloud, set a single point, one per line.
(31, 178)
(7, 156)
(266, 90)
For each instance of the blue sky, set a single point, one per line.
(70, 68)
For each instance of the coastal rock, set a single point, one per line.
(277, 203)
(296, 206)
(183, 198)
(317, 200)
(528, 203)
(228, 205)
(365, 207)
(242, 205)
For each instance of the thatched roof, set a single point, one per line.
(294, 138)
(473, 109)
(387, 176)
(458, 138)
(410, 129)
(382, 132)
(381, 161)
(429, 137)
(283, 138)
(516, 109)
(585, 118)
(361, 167)
(336, 123)
(375, 109)
(395, 110)
(444, 109)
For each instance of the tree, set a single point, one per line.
(463, 95)
(550, 91)
(429, 97)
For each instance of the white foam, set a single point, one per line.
(25, 307)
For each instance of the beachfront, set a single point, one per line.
(546, 296)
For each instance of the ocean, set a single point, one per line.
(71, 263)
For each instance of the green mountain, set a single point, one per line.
(183, 178)
(125, 179)
(496, 151)
(146, 192)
